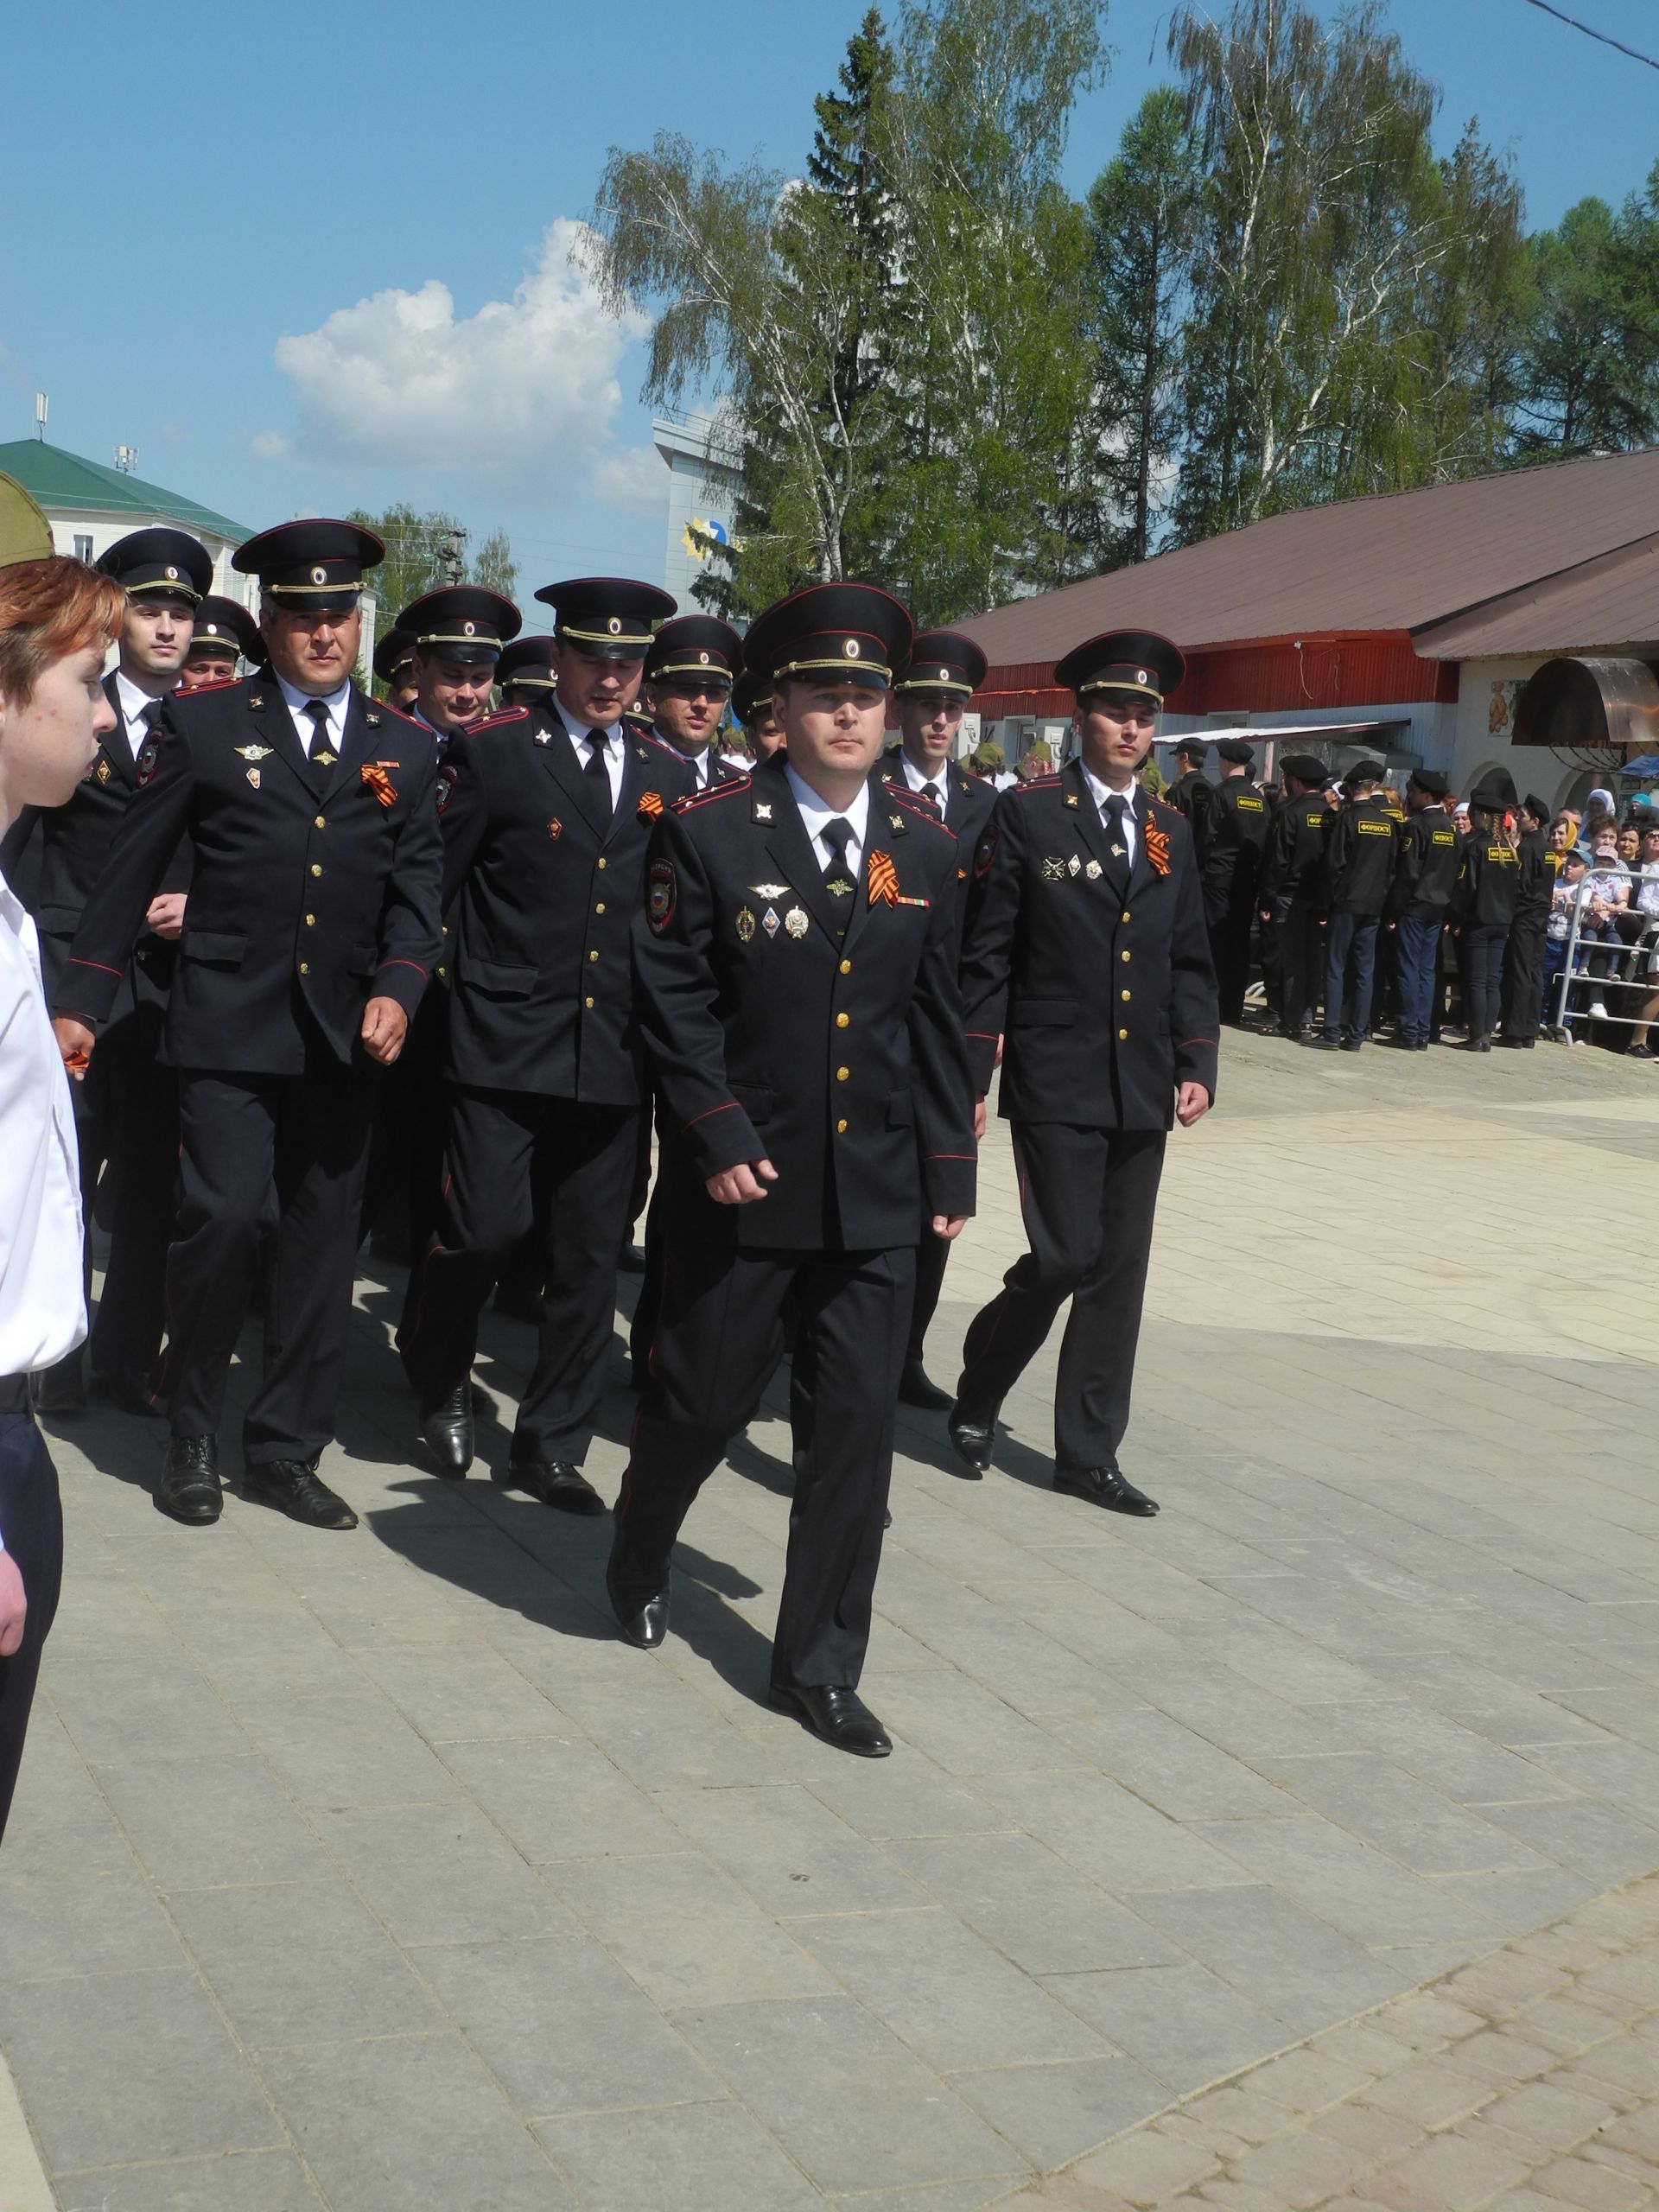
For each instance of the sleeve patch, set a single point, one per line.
(986, 854)
(660, 895)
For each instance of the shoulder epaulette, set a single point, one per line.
(913, 805)
(501, 720)
(217, 683)
(650, 737)
(1037, 784)
(694, 799)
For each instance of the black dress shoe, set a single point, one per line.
(642, 1620)
(446, 1431)
(293, 1487)
(189, 1488)
(60, 1391)
(558, 1483)
(120, 1387)
(1103, 1486)
(631, 1261)
(973, 1441)
(839, 1717)
(1321, 1043)
(915, 1389)
(1352, 1044)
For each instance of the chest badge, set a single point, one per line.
(102, 772)
(253, 777)
(770, 922)
(795, 921)
(1092, 871)
(1073, 866)
(744, 927)
(556, 828)
(253, 751)
(1054, 868)
(770, 890)
(651, 803)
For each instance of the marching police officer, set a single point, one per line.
(1230, 828)
(527, 672)
(394, 666)
(799, 994)
(223, 633)
(1288, 896)
(127, 1111)
(1088, 913)
(689, 674)
(933, 690)
(1523, 956)
(1419, 902)
(311, 931)
(456, 634)
(754, 705)
(1191, 789)
(545, 833)
(1358, 869)
(1484, 904)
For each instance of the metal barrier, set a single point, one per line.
(1630, 960)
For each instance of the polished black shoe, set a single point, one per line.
(446, 1431)
(189, 1489)
(293, 1487)
(1321, 1043)
(558, 1483)
(1352, 1044)
(973, 1441)
(1103, 1486)
(642, 1620)
(839, 1717)
(915, 1389)
(120, 1387)
(631, 1261)
(60, 1391)
(887, 1517)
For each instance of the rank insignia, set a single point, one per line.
(896, 820)
(253, 751)
(763, 809)
(1071, 798)
(770, 890)
(659, 896)
(372, 720)
(795, 921)
(651, 804)
(1054, 868)
(1092, 871)
(253, 777)
(102, 772)
(770, 922)
(744, 927)
(1073, 865)
(1118, 852)
(556, 828)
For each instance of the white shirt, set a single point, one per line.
(42, 1307)
(938, 790)
(702, 763)
(300, 704)
(816, 812)
(614, 738)
(1101, 792)
(133, 703)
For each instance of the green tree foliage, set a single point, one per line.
(426, 549)
(1588, 373)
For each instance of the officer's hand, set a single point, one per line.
(384, 1026)
(742, 1184)
(165, 914)
(14, 1605)
(951, 1224)
(998, 1061)
(75, 1042)
(1192, 1103)
(979, 1120)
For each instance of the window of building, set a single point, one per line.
(83, 545)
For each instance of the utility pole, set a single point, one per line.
(449, 554)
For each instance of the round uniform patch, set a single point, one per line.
(986, 854)
(659, 895)
(444, 783)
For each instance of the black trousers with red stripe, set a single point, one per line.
(1089, 1198)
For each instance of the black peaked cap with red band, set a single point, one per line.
(1124, 660)
(942, 660)
(694, 645)
(461, 622)
(847, 632)
(315, 564)
(613, 617)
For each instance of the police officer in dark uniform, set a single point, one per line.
(456, 635)
(545, 833)
(689, 676)
(311, 933)
(1191, 790)
(1484, 904)
(394, 666)
(1420, 901)
(798, 994)
(1288, 898)
(127, 1111)
(753, 704)
(1523, 956)
(933, 690)
(1088, 913)
(527, 672)
(1358, 870)
(224, 632)
(1230, 828)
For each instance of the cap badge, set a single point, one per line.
(319, 574)
(469, 629)
(172, 575)
(850, 649)
(614, 625)
(702, 659)
(944, 676)
(1140, 676)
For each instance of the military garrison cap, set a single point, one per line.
(1430, 780)
(850, 632)
(1306, 769)
(160, 561)
(223, 630)
(1122, 660)
(528, 662)
(1235, 750)
(461, 622)
(942, 660)
(611, 617)
(393, 653)
(317, 565)
(696, 645)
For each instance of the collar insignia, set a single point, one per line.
(763, 809)
(1071, 798)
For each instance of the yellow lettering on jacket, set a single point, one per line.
(1375, 829)
(1442, 836)
(1250, 805)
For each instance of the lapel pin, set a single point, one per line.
(253, 777)
(770, 922)
(102, 772)
(554, 828)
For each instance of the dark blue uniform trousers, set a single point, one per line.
(1418, 942)
(1349, 970)
(31, 1524)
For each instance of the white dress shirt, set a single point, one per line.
(816, 812)
(700, 763)
(938, 789)
(1101, 792)
(42, 1307)
(616, 738)
(133, 701)
(300, 703)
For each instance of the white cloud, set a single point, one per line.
(636, 480)
(522, 394)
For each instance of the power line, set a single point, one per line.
(1604, 37)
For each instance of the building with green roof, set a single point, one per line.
(89, 507)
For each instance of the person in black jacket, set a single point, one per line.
(798, 994)
(127, 1110)
(1230, 829)
(1290, 900)
(1419, 902)
(1483, 904)
(1358, 868)
(527, 672)
(222, 634)
(933, 690)
(310, 935)
(1523, 956)
(689, 670)
(1087, 922)
(1192, 790)
(545, 829)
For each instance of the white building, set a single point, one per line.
(703, 477)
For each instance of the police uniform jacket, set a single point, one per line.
(843, 1062)
(1230, 829)
(313, 890)
(541, 890)
(1111, 995)
(1426, 872)
(1489, 881)
(969, 806)
(720, 770)
(1190, 794)
(67, 847)
(1359, 850)
(1292, 855)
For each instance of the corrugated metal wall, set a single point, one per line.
(1276, 675)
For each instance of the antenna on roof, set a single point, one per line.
(40, 417)
(126, 459)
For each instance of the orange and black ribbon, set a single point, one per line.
(883, 879)
(1158, 848)
(373, 774)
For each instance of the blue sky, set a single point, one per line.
(261, 244)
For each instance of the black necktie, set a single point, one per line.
(838, 876)
(144, 759)
(595, 767)
(1118, 807)
(929, 795)
(322, 752)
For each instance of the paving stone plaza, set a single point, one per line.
(373, 1871)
